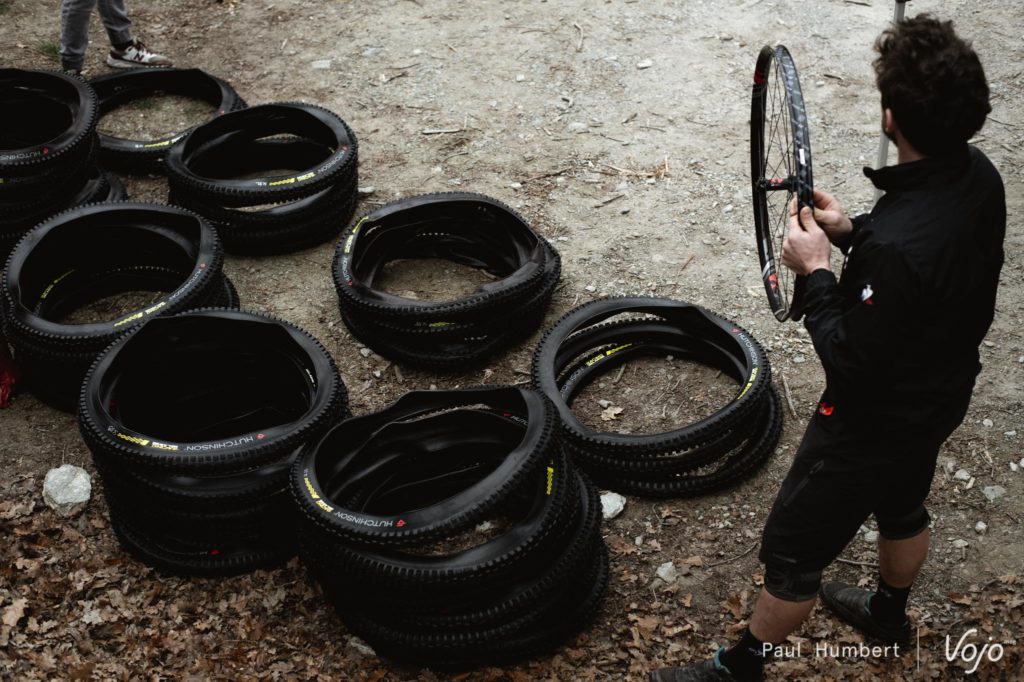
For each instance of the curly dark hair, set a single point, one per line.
(934, 83)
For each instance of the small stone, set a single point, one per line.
(604, 403)
(577, 127)
(321, 64)
(987, 422)
(433, 387)
(727, 209)
(624, 210)
(638, 540)
(989, 344)
(645, 64)
(520, 78)
(1011, 433)
(484, 527)
(516, 185)
(1014, 467)
(993, 492)
(365, 352)
(962, 475)
(799, 359)
(819, 83)
(948, 464)
(66, 489)
(871, 536)
(1021, 359)
(376, 373)
(366, 191)
(667, 572)
(590, 287)
(980, 527)
(612, 505)
(961, 544)
(1021, 463)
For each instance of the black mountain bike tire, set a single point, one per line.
(120, 87)
(779, 143)
(233, 442)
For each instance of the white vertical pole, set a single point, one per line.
(883, 141)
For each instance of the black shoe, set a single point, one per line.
(851, 604)
(705, 671)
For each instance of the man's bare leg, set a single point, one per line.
(899, 561)
(773, 618)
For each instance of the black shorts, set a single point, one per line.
(845, 470)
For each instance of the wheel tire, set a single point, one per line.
(117, 88)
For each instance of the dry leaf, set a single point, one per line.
(958, 598)
(14, 612)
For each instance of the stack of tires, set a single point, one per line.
(395, 511)
(47, 150)
(230, 171)
(194, 422)
(87, 254)
(694, 459)
(116, 89)
(455, 335)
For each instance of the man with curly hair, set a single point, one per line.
(898, 338)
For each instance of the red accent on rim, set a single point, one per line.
(759, 78)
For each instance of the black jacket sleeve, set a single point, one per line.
(856, 325)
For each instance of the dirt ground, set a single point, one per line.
(639, 176)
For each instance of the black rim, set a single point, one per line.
(780, 155)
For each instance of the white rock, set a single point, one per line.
(667, 572)
(645, 64)
(66, 489)
(962, 475)
(727, 209)
(612, 505)
(960, 544)
(1010, 433)
(516, 185)
(1021, 463)
(987, 422)
(799, 359)
(993, 492)
(871, 536)
(520, 77)
(948, 464)
(366, 191)
(604, 403)
(578, 127)
(981, 527)
(1014, 467)
(321, 64)
(590, 287)
(365, 352)
(484, 527)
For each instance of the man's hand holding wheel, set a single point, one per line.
(806, 247)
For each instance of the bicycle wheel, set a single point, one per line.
(780, 162)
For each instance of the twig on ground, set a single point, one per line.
(579, 43)
(789, 397)
(440, 131)
(747, 551)
(866, 564)
(688, 260)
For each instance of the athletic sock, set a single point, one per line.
(121, 47)
(746, 658)
(889, 604)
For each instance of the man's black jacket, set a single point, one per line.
(898, 335)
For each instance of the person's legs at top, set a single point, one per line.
(116, 22)
(74, 33)
(125, 51)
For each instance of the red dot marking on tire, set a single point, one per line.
(401, 522)
(260, 436)
(214, 552)
(759, 78)
(46, 150)
(202, 266)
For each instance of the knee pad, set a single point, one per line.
(903, 527)
(788, 584)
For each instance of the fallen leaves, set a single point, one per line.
(14, 612)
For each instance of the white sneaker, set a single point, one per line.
(135, 55)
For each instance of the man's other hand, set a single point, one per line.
(806, 247)
(829, 215)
